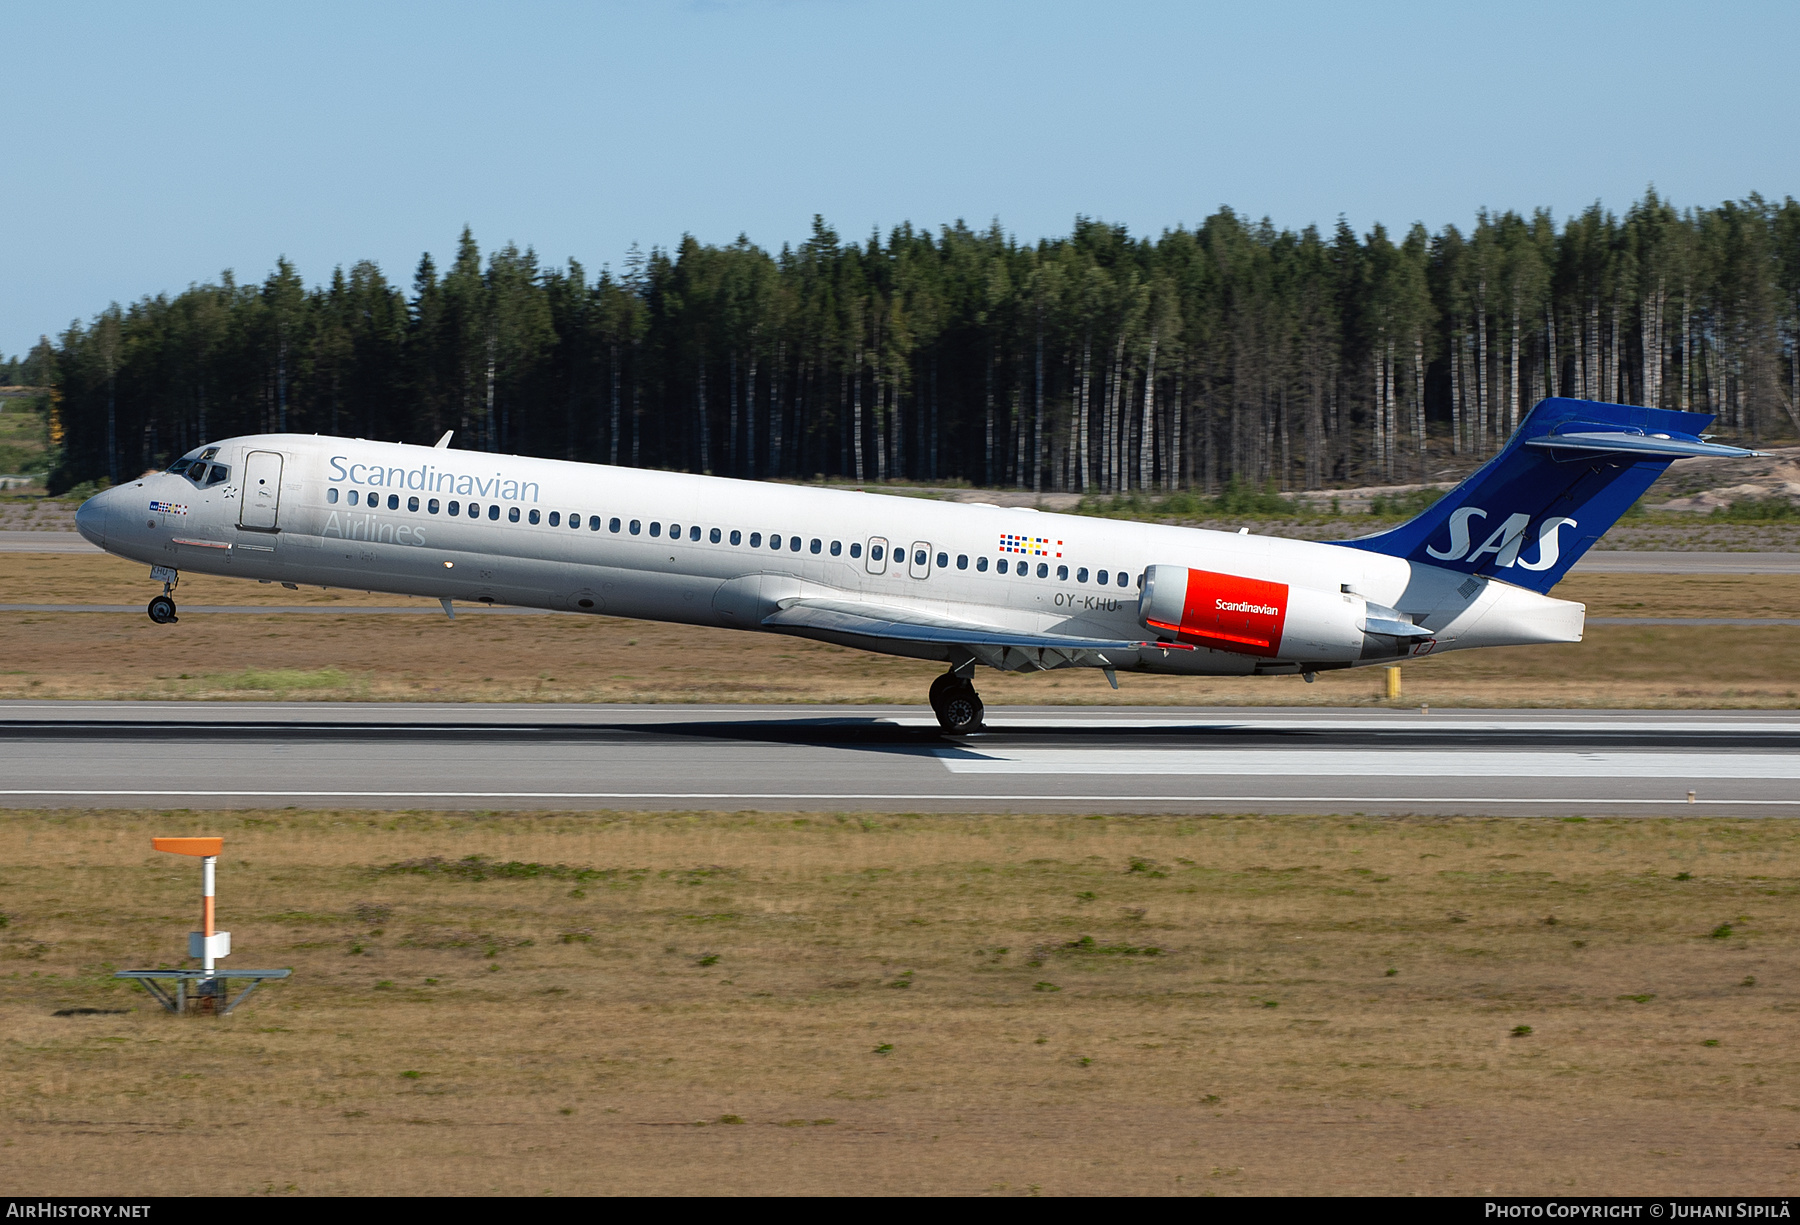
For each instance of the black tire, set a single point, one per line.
(960, 710)
(943, 686)
(162, 610)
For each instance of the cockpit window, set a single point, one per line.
(196, 469)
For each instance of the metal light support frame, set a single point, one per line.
(155, 982)
(208, 944)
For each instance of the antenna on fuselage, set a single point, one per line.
(443, 443)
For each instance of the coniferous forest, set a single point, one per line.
(1099, 362)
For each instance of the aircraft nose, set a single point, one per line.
(90, 518)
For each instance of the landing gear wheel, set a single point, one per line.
(956, 704)
(162, 610)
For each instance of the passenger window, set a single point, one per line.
(473, 510)
(393, 501)
(352, 498)
(817, 544)
(593, 522)
(981, 565)
(1062, 574)
(1000, 565)
(674, 531)
(431, 507)
(856, 548)
(556, 518)
(775, 541)
(455, 508)
(1081, 575)
(874, 552)
(1124, 579)
(1101, 578)
(1043, 569)
(636, 526)
(412, 504)
(943, 560)
(962, 561)
(694, 533)
(837, 548)
(611, 526)
(512, 514)
(331, 495)
(1140, 582)
(737, 537)
(756, 540)
(655, 528)
(533, 516)
(713, 536)
(494, 511)
(794, 543)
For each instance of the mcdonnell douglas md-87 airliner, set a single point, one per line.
(1014, 589)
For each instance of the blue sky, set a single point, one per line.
(151, 146)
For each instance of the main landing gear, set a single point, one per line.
(162, 608)
(956, 704)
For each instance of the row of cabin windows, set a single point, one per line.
(715, 535)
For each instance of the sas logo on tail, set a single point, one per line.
(1504, 542)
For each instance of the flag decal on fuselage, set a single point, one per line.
(1033, 546)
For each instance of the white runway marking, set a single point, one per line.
(1349, 763)
(900, 799)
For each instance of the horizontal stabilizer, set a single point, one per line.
(1660, 446)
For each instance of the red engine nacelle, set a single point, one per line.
(1229, 612)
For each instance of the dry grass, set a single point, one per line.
(606, 659)
(912, 1004)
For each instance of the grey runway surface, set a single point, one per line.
(784, 758)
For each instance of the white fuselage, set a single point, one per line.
(663, 546)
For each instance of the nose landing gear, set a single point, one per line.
(162, 608)
(956, 704)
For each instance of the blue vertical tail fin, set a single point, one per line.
(1565, 477)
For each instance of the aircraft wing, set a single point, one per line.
(1003, 648)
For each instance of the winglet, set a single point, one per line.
(188, 846)
(444, 442)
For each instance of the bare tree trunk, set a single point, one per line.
(775, 374)
(1037, 425)
(705, 432)
(493, 344)
(612, 433)
(1419, 396)
(1512, 423)
(637, 408)
(856, 429)
(1456, 391)
(1018, 424)
(1481, 369)
(881, 423)
(931, 463)
(731, 444)
(1552, 370)
(1177, 424)
(987, 469)
(1146, 441)
(750, 418)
